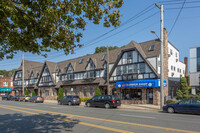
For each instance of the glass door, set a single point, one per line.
(149, 95)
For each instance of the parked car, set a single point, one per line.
(106, 101)
(26, 99)
(15, 98)
(70, 100)
(36, 99)
(7, 97)
(21, 98)
(191, 105)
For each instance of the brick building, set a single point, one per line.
(6, 85)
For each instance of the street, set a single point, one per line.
(20, 117)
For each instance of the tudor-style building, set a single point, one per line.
(134, 73)
(31, 73)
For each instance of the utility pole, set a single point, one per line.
(23, 74)
(108, 62)
(161, 55)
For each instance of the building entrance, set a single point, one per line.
(149, 95)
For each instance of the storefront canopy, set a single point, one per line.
(5, 88)
(17, 89)
(140, 83)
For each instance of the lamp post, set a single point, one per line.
(161, 54)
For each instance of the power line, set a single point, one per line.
(183, 7)
(177, 17)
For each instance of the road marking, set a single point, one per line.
(138, 116)
(108, 120)
(67, 120)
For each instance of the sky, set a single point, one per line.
(184, 34)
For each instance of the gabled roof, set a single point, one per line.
(30, 66)
(142, 53)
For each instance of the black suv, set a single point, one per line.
(106, 101)
(70, 100)
(7, 97)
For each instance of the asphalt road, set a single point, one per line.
(20, 117)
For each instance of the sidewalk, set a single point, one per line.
(144, 107)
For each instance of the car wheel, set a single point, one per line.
(59, 102)
(69, 103)
(170, 110)
(107, 106)
(88, 105)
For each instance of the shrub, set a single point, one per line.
(171, 101)
(60, 93)
(84, 99)
(26, 92)
(33, 93)
(98, 91)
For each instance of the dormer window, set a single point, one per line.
(104, 56)
(151, 48)
(81, 61)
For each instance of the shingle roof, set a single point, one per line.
(30, 66)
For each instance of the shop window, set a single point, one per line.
(46, 92)
(65, 92)
(131, 94)
(84, 93)
(91, 92)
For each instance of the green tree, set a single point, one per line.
(7, 73)
(60, 93)
(38, 26)
(26, 92)
(184, 91)
(98, 91)
(103, 49)
(33, 93)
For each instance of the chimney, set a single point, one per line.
(186, 66)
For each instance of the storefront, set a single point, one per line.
(139, 91)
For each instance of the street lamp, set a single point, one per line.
(153, 32)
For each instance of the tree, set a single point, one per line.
(38, 26)
(60, 93)
(26, 92)
(98, 91)
(184, 91)
(33, 93)
(7, 73)
(103, 49)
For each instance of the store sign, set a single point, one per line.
(140, 83)
(5, 88)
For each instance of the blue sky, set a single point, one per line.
(185, 34)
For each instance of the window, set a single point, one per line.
(198, 59)
(97, 73)
(176, 54)
(171, 52)
(195, 101)
(118, 71)
(142, 67)
(104, 56)
(70, 92)
(135, 68)
(46, 92)
(172, 68)
(81, 61)
(130, 57)
(151, 48)
(84, 93)
(177, 69)
(91, 92)
(130, 68)
(188, 101)
(65, 92)
(5, 83)
(124, 69)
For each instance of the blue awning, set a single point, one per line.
(140, 83)
(5, 88)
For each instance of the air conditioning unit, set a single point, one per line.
(176, 60)
(172, 74)
(169, 55)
